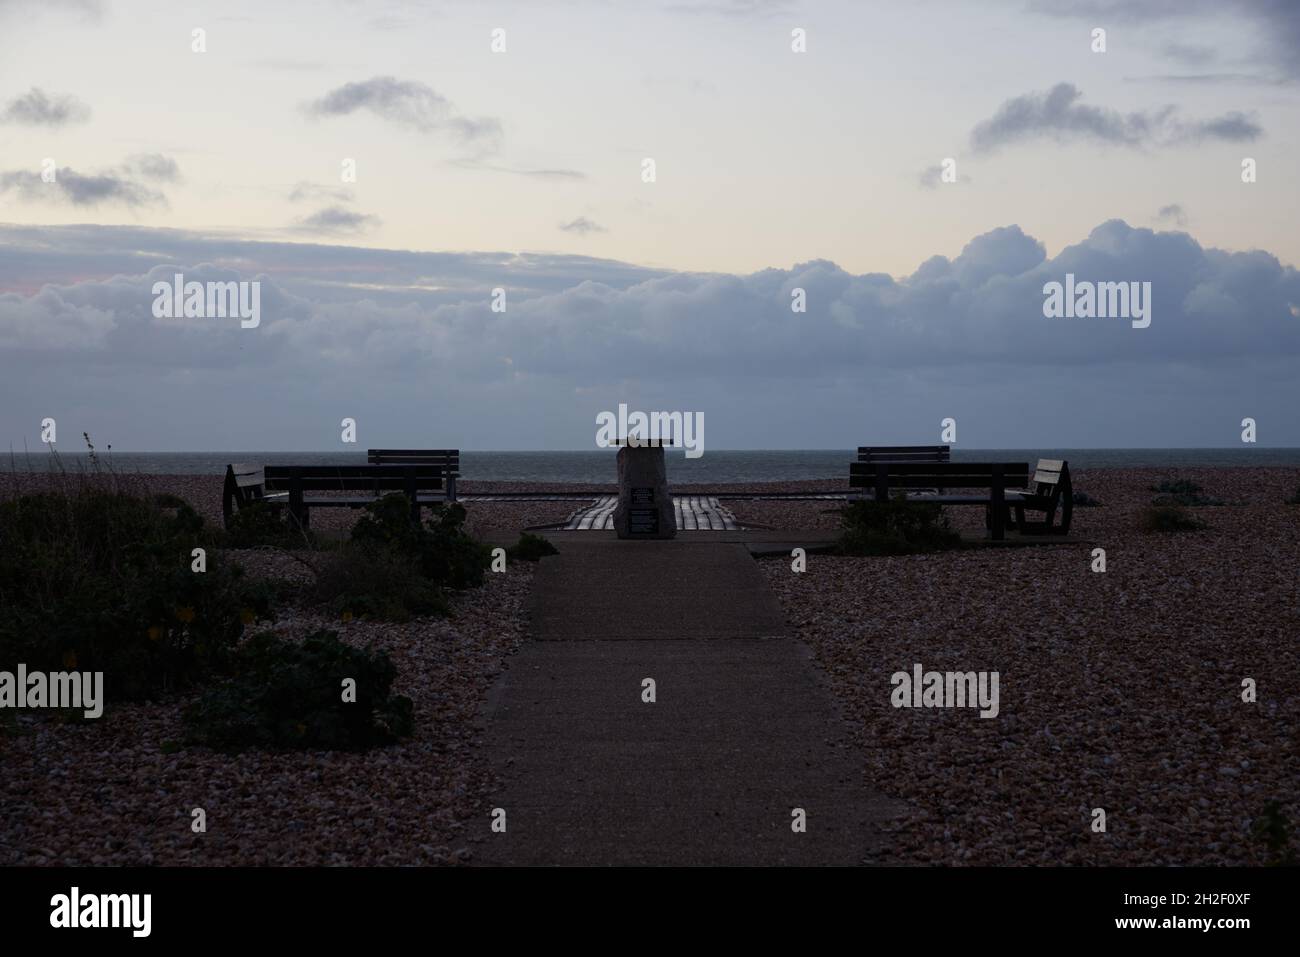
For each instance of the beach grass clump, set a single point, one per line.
(896, 527)
(320, 694)
(264, 524)
(1169, 518)
(1182, 492)
(393, 569)
(94, 578)
(1084, 500)
(1294, 499)
(530, 548)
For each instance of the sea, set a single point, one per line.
(598, 465)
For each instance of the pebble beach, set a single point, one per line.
(1120, 690)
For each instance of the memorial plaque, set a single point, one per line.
(645, 507)
(643, 515)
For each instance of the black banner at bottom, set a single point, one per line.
(359, 905)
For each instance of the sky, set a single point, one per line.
(795, 146)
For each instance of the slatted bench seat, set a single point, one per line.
(904, 453)
(286, 486)
(1000, 479)
(1052, 488)
(449, 459)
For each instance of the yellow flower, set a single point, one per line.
(155, 632)
(69, 660)
(347, 616)
(246, 616)
(185, 614)
(302, 728)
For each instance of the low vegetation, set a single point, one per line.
(896, 528)
(530, 548)
(261, 524)
(96, 577)
(320, 694)
(1169, 518)
(1182, 492)
(393, 569)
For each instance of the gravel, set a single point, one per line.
(1119, 690)
(104, 792)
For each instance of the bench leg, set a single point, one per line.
(999, 507)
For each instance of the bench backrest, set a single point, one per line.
(332, 478)
(883, 476)
(1051, 477)
(245, 481)
(903, 453)
(449, 459)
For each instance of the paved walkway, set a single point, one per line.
(742, 731)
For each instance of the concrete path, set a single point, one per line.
(741, 733)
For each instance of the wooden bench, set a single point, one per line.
(449, 459)
(1051, 488)
(999, 478)
(288, 485)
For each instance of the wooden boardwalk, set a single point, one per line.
(693, 512)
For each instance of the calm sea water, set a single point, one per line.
(597, 466)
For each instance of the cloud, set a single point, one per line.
(1190, 54)
(154, 166)
(89, 9)
(80, 189)
(38, 108)
(1274, 24)
(480, 165)
(337, 221)
(739, 9)
(314, 192)
(1172, 214)
(128, 184)
(406, 103)
(582, 226)
(963, 333)
(1059, 115)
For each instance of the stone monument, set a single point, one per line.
(645, 509)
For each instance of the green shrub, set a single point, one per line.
(1084, 500)
(896, 527)
(1182, 492)
(378, 583)
(262, 523)
(531, 548)
(441, 548)
(99, 580)
(1169, 518)
(1177, 487)
(290, 696)
(393, 569)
